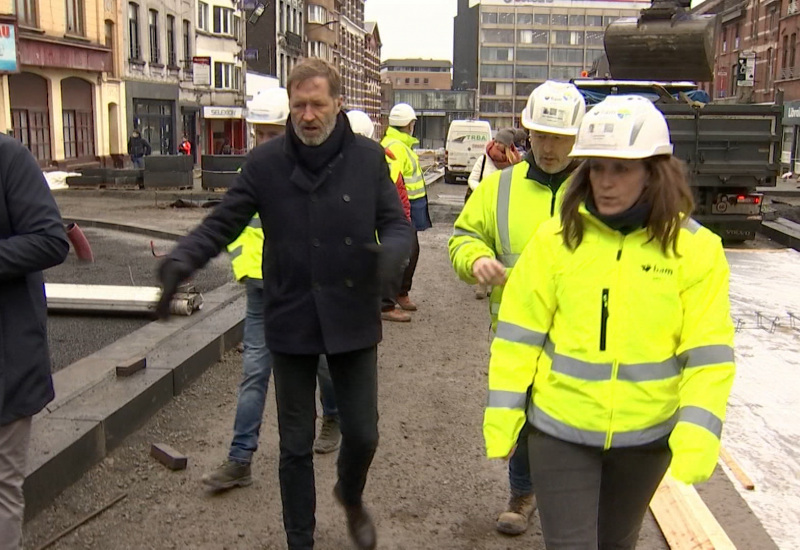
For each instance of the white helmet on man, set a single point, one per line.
(623, 127)
(361, 123)
(270, 106)
(555, 108)
(401, 115)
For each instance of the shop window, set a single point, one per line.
(75, 23)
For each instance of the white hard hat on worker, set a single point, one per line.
(270, 106)
(361, 123)
(401, 115)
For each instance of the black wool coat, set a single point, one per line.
(32, 238)
(322, 266)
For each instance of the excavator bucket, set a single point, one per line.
(665, 49)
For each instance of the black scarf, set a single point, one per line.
(553, 181)
(625, 222)
(315, 158)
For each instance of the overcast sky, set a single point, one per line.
(414, 28)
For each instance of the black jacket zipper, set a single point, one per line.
(603, 319)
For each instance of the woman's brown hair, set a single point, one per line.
(667, 191)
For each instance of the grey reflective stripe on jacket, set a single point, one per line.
(507, 400)
(506, 256)
(706, 355)
(416, 176)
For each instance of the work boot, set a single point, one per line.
(228, 475)
(406, 304)
(329, 436)
(518, 515)
(359, 524)
(395, 315)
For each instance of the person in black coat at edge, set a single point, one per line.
(32, 238)
(322, 192)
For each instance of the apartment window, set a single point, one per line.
(594, 38)
(576, 38)
(425, 81)
(504, 88)
(531, 72)
(560, 37)
(497, 71)
(732, 84)
(533, 37)
(497, 36)
(171, 54)
(594, 20)
(559, 19)
(736, 37)
(725, 40)
(524, 19)
(236, 26)
(541, 19)
(224, 76)
(75, 17)
(497, 54)
(281, 18)
(222, 20)
(408, 81)
(524, 89)
(506, 19)
(754, 21)
(608, 19)
(416, 81)
(770, 68)
(592, 56)
(792, 49)
(566, 55)
(78, 134)
(135, 48)
(202, 16)
(187, 40)
(319, 49)
(489, 18)
(155, 53)
(26, 12)
(399, 81)
(564, 73)
(576, 21)
(526, 54)
(488, 88)
(32, 128)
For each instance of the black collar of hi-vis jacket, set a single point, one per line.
(553, 181)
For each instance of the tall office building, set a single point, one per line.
(522, 44)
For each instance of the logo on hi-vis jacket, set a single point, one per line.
(655, 270)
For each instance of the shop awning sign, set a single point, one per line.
(9, 62)
(223, 112)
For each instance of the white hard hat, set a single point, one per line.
(361, 123)
(401, 114)
(555, 108)
(270, 106)
(624, 127)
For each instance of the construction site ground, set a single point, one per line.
(430, 485)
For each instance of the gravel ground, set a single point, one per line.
(120, 259)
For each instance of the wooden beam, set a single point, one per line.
(685, 520)
(743, 478)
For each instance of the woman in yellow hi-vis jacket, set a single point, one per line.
(618, 314)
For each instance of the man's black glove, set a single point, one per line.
(171, 273)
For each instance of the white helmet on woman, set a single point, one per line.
(270, 106)
(555, 108)
(361, 123)
(623, 127)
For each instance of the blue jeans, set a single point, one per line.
(256, 367)
(519, 468)
(138, 162)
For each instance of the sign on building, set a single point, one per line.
(747, 69)
(223, 112)
(201, 71)
(9, 62)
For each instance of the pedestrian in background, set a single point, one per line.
(323, 194)
(138, 148)
(185, 148)
(500, 153)
(267, 113)
(32, 239)
(398, 142)
(496, 224)
(521, 140)
(617, 314)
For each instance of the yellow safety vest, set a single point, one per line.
(621, 343)
(406, 162)
(498, 220)
(247, 250)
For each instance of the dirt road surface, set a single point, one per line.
(430, 485)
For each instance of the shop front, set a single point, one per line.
(225, 130)
(790, 149)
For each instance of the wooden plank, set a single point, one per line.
(169, 457)
(131, 366)
(743, 478)
(685, 520)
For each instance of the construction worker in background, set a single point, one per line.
(404, 162)
(361, 123)
(267, 113)
(502, 214)
(617, 313)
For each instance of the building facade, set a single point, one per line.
(321, 30)
(372, 75)
(220, 41)
(64, 99)
(275, 36)
(418, 74)
(465, 46)
(523, 44)
(436, 109)
(351, 40)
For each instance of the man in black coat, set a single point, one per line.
(32, 238)
(138, 148)
(322, 193)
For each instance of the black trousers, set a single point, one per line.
(355, 383)
(408, 274)
(590, 499)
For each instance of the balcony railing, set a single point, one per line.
(789, 73)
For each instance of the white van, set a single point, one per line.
(466, 141)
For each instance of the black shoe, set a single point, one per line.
(359, 524)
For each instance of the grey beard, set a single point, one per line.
(315, 141)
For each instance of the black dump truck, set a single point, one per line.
(730, 149)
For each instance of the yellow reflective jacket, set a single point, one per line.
(501, 216)
(622, 344)
(247, 250)
(406, 161)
